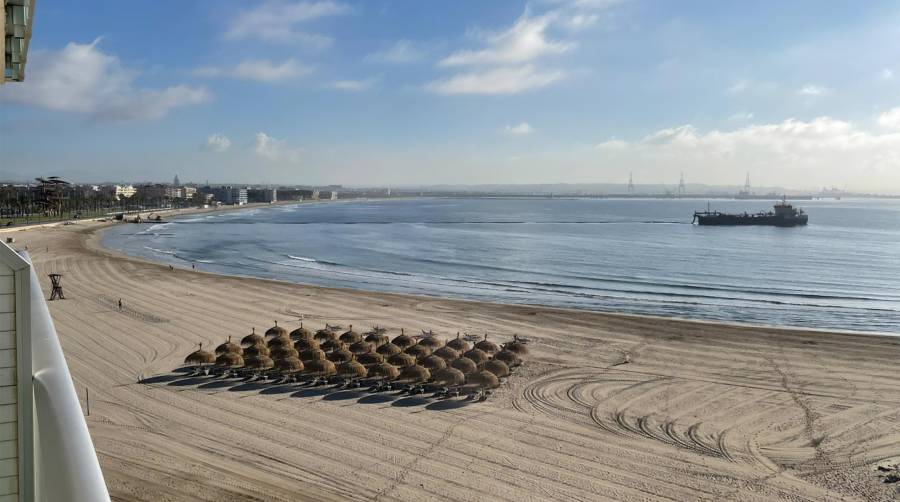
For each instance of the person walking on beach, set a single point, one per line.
(120, 304)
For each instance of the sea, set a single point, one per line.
(636, 256)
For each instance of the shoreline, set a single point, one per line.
(701, 410)
(94, 242)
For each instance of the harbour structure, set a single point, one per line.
(784, 215)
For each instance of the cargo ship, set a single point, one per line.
(785, 215)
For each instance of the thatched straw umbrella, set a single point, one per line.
(402, 360)
(321, 367)
(388, 349)
(508, 357)
(402, 340)
(414, 373)
(276, 331)
(516, 346)
(331, 344)
(370, 358)
(361, 347)
(252, 339)
(304, 344)
(256, 350)
(289, 365)
(384, 370)
(280, 341)
(488, 346)
(230, 360)
(325, 334)
(446, 353)
(483, 379)
(418, 351)
(301, 333)
(448, 377)
(284, 353)
(496, 367)
(464, 364)
(433, 362)
(259, 363)
(458, 344)
(352, 369)
(431, 341)
(477, 355)
(313, 355)
(351, 336)
(229, 346)
(377, 338)
(340, 356)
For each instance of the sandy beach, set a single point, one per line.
(701, 412)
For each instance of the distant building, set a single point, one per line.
(262, 195)
(334, 195)
(156, 191)
(230, 195)
(187, 192)
(315, 195)
(123, 191)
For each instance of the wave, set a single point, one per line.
(662, 292)
(170, 252)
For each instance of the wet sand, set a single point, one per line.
(702, 411)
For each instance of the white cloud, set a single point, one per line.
(794, 152)
(276, 20)
(813, 90)
(403, 51)
(354, 85)
(82, 79)
(261, 70)
(218, 142)
(890, 118)
(519, 130)
(276, 150)
(581, 21)
(266, 71)
(505, 80)
(887, 74)
(524, 41)
(612, 144)
(207, 71)
(746, 86)
(741, 116)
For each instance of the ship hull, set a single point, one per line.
(742, 220)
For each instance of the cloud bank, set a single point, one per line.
(81, 78)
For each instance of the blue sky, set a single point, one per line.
(802, 94)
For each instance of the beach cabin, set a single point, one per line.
(46, 453)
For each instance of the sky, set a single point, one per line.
(801, 94)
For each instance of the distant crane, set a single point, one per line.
(630, 183)
(681, 189)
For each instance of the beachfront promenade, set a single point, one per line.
(702, 411)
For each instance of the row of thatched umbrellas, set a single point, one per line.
(350, 354)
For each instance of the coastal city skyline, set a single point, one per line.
(552, 91)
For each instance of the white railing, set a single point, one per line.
(65, 463)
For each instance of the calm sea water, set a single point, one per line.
(635, 256)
